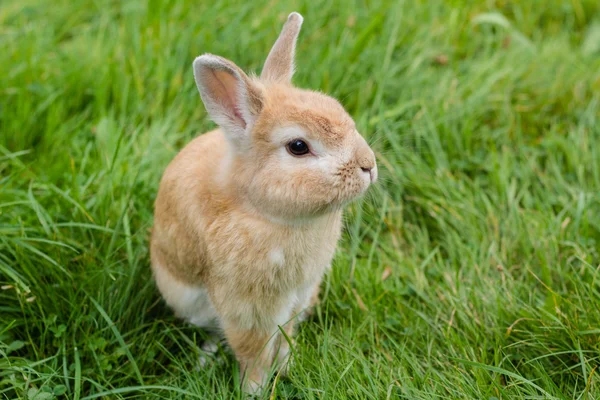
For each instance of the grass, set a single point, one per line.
(471, 271)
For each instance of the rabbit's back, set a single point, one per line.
(183, 203)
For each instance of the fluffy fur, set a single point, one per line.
(244, 230)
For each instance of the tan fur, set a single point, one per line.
(244, 231)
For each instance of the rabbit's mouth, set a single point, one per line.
(354, 187)
(344, 197)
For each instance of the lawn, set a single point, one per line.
(471, 270)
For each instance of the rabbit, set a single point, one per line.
(248, 216)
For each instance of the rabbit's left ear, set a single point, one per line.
(279, 66)
(231, 98)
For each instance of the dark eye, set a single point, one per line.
(297, 147)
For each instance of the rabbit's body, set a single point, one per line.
(253, 269)
(248, 216)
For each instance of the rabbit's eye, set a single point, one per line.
(297, 147)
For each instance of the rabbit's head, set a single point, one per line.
(293, 153)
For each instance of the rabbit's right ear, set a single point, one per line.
(279, 66)
(231, 98)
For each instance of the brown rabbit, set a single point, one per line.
(248, 216)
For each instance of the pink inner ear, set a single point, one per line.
(225, 90)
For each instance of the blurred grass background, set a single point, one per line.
(471, 271)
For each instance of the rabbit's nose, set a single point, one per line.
(365, 158)
(371, 171)
(367, 161)
(367, 165)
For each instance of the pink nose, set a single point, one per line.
(372, 173)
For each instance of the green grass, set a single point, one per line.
(486, 121)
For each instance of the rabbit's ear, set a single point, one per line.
(231, 98)
(279, 66)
